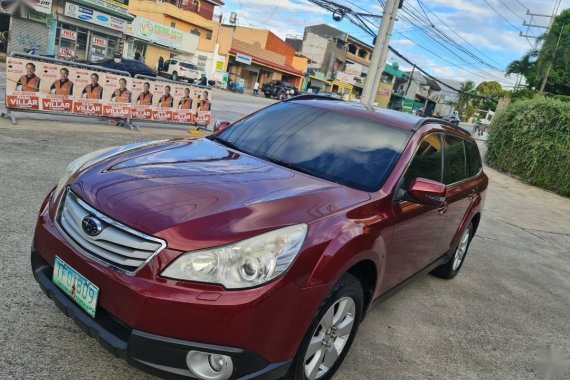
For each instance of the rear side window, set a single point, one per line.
(427, 162)
(173, 62)
(455, 162)
(473, 158)
(188, 66)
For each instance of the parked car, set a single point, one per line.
(453, 119)
(176, 69)
(257, 251)
(131, 66)
(279, 89)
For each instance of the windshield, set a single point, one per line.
(348, 150)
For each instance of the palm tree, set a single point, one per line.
(467, 88)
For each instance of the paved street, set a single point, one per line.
(509, 302)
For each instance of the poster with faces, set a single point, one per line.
(51, 87)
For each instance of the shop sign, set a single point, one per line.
(344, 77)
(98, 41)
(354, 69)
(243, 58)
(155, 32)
(68, 34)
(219, 65)
(121, 6)
(42, 6)
(66, 52)
(95, 17)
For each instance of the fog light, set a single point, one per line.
(209, 366)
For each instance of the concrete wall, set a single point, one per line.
(315, 47)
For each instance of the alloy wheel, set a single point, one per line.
(461, 250)
(330, 338)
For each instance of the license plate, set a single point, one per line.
(80, 289)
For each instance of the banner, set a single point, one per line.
(52, 87)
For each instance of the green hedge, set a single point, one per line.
(530, 139)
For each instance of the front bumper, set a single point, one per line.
(159, 355)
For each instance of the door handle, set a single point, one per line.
(443, 209)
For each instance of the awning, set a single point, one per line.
(321, 82)
(272, 65)
(342, 84)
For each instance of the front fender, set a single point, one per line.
(347, 249)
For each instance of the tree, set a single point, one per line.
(554, 56)
(489, 88)
(492, 90)
(467, 89)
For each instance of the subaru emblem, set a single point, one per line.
(91, 225)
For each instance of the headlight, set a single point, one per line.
(244, 264)
(75, 165)
(93, 158)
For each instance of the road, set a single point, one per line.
(508, 303)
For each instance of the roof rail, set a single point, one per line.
(312, 96)
(427, 120)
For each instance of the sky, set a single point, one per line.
(487, 30)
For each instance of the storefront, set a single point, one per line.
(153, 40)
(26, 26)
(91, 32)
(251, 69)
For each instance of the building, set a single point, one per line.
(258, 55)
(418, 92)
(340, 63)
(168, 28)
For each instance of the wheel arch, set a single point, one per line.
(367, 273)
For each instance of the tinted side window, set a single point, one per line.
(455, 163)
(473, 158)
(427, 161)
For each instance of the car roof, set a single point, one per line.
(380, 115)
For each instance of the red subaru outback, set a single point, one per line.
(255, 252)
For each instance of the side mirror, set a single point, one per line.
(220, 125)
(427, 192)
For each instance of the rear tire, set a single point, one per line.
(331, 334)
(452, 267)
(282, 95)
(267, 95)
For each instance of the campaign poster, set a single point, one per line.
(57, 88)
(117, 98)
(23, 83)
(202, 105)
(143, 99)
(183, 112)
(88, 92)
(162, 111)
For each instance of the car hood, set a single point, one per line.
(189, 191)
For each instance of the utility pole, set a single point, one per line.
(380, 52)
(543, 85)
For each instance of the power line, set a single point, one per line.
(501, 15)
(509, 8)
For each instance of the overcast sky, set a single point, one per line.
(488, 29)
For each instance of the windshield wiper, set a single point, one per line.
(288, 165)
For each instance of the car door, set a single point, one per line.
(460, 191)
(417, 228)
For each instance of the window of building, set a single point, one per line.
(352, 49)
(172, 24)
(363, 53)
(209, 35)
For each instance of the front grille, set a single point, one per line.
(116, 244)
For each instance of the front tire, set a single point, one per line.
(331, 334)
(452, 267)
